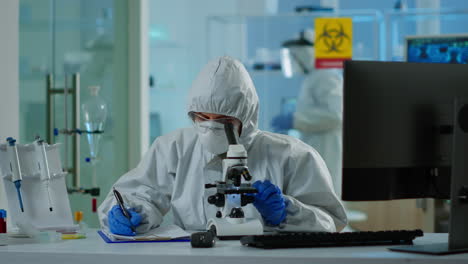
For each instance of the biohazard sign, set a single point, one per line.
(333, 42)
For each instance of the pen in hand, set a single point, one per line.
(120, 201)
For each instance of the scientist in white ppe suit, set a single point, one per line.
(319, 111)
(294, 186)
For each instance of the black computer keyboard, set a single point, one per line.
(326, 239)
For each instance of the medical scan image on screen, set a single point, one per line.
(449, 49)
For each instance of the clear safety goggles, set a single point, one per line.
(204, 124)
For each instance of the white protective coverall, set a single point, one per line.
(175, 169)
(319, 118)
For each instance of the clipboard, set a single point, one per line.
(108, 240)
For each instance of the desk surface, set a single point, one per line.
(94, 250)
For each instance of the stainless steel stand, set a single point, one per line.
(68, 130)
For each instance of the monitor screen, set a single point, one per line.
(437, 49)
(397, 128)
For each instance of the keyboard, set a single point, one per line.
(331, 239)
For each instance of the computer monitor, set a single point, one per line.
(437, 49)
(400, 122)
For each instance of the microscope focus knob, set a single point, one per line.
(246, 175)
(236, 213)
(246, 199)
(219, 214)
(210, 185)
(217, 199)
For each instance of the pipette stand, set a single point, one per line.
(40, 192)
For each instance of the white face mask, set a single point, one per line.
(212, 136)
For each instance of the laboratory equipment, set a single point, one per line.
(94, 118)
(205, 239)
(437, 49)
(73, 236)
(405, 137)
(231, 194)
(78, 234)
(3, 219)
(331, 239)
(40, 191)
(3, 227)
(15, 168)
(79, 221)
(69, 130)
(26, 229)
(43, 165)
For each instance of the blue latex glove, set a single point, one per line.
(119, 224)
(270, 202)
(282, 122)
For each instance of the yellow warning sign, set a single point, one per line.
(333, 42)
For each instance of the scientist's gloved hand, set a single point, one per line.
(119, 224)
(270, 202)
(282, 122)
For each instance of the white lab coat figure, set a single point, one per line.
(319, 117)
(175, 169)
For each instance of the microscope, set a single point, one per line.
(231, 194)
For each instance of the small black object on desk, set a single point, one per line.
(203, 239)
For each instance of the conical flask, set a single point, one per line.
(94, 116)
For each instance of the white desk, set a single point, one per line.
(94, 250)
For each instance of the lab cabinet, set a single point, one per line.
(256, 41)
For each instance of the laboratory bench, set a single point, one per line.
(94, 250)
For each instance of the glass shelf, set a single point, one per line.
(44, 25)
(64, 37)
(257, 39)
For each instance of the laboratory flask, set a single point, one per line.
(94, 116)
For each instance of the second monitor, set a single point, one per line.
(405, 135)
(397, 128)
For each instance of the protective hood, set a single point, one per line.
(224, 87)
